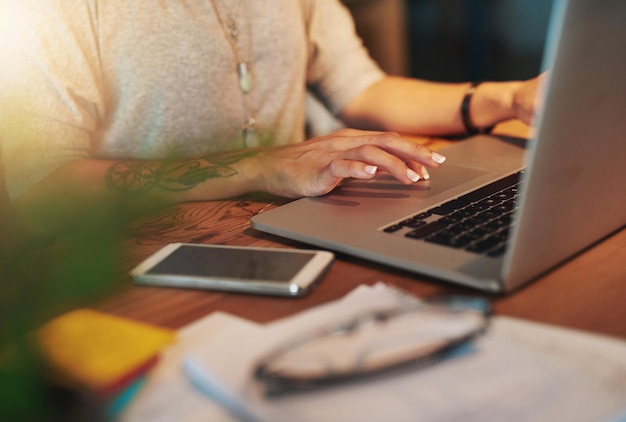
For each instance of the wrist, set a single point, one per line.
(251, 175)
(490, 103)
(466, 113)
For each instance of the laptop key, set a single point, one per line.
(499, 251)
(393, 228)
(484, 245)
(426, 230)
(441, 210)
(454, 242)
(491, 188)
(412, 223)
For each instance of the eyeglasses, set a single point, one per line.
(406, 336)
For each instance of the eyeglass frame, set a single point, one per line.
(276, 384)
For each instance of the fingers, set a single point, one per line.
(315, 167)
(369, 144)
(406, 163)
(336, 171)
(421, 171)
(342, 169)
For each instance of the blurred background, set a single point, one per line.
(446, 41)
(454, 40)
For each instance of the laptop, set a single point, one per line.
(546, 198)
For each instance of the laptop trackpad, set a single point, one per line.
(386, 186)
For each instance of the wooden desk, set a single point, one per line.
(588, 292)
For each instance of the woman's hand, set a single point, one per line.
(527, 98)
(315, 167)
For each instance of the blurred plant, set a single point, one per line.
(38, 281)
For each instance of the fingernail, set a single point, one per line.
(412, 175)
(438, 158)
(425, 174)
(371, 169)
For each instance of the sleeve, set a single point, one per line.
(50, 99)
(339, 67)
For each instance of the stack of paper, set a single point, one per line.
(518, 371)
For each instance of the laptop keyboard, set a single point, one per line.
(478, 222)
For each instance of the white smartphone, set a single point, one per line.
(271, 271)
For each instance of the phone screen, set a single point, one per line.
(234, 263)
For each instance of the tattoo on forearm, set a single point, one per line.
(134, 178)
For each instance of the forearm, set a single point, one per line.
(429, 108)
(82, 189)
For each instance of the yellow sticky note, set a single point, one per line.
(98, 350)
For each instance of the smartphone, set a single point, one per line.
(271, 271)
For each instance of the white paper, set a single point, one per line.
(519, 371)
(167, 395)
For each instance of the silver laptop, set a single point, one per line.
(570, 192)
